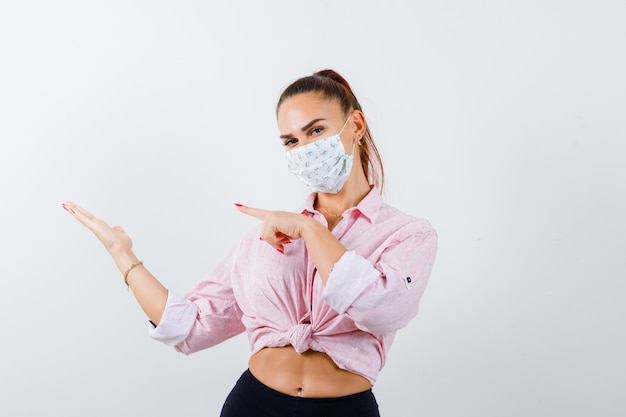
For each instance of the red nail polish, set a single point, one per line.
(260, 237)
(280, 250)
(238, 205)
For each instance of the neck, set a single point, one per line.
(352, 192)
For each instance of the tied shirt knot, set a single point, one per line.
(300, 337)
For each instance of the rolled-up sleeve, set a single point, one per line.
(350, 276)
(382, 296)
(176, 322)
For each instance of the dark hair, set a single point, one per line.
(330, 85)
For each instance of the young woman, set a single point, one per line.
(321, 292)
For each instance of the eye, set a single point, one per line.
(290, 142)
(316, 131)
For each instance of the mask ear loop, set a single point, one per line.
(356, 141)
(345, 124)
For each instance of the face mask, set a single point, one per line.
(324, 166)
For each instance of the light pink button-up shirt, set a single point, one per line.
(280, 300)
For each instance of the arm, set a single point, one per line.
(383, 295)
(150, 293)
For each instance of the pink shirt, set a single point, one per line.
(280, 300)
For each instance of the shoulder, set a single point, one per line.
(404, 225)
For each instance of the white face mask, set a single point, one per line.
(323, 165)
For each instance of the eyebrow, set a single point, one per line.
(303, 129)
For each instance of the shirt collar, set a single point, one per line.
(369, 206)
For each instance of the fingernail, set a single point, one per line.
(238, 205)
(280, 250)
(260, 238)
(287, 242)
(68, 209)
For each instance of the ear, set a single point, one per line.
(359, 125)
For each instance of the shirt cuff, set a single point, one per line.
(177, 320)
(348, 279)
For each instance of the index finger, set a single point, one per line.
(251, 211)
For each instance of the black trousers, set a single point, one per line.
(251, 398)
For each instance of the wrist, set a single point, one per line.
(311, 227)
(124, 260)
(130, 268)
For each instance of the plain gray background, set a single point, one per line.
(501, 122)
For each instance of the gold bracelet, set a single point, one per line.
(130, 269)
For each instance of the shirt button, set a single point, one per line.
(408, 279)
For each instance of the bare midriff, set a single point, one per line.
(310, 374)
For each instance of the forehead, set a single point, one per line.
(298, 110)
